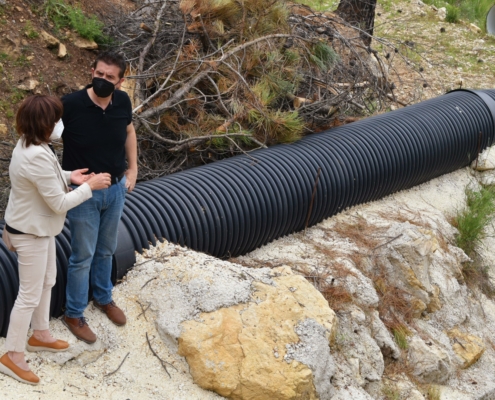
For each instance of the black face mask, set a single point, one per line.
(102, 87)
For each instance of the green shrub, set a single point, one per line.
(452, 14)
(471, 223)
(324, 56)
(64, 15)
(87, 27)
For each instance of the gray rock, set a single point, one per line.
(429, 362)
(313, 351)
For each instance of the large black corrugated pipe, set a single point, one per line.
(234, 206)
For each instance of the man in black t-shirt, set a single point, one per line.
(98, 135)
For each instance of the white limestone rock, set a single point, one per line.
(429, 362)
(442, 13)
(382, 337)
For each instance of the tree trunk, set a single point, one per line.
(361, 14)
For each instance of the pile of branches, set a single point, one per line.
(212, 78)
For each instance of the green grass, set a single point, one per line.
(390, 393)
(29, 30)
(400, 334)
(64, 15)
(14, 97)
(471, 223)
(320, 5)
(471, 10)
(452, 15)
(22, 61)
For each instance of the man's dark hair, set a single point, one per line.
(36, 118)
(112, 58)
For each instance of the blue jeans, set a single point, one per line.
(93, 228)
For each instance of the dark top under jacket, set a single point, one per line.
(95, 138)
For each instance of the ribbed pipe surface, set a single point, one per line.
(234, 206)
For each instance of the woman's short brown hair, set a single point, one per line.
(36, 118)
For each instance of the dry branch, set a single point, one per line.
(120, 365)
(215, 79)
(157, 356)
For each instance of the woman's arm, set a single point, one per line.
(41, 172)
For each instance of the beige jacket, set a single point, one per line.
(40, 197)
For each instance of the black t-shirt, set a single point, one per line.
(95, 138)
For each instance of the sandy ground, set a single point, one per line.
(141, 376)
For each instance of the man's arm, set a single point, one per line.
(131, 154)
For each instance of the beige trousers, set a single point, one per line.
(37, 275)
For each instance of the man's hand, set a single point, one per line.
(130, 179)
(77, 176)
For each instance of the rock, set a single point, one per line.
(359, 285)
(50, 41)
(420, 3)
(449, 393)
(89, 356)
(435, 304)
(29, 85)
(383, 338)
(3, 129)
(469, 348)
(484, 162)
(62, 51)
(442, 13)
(85, 44)
(362, 352)
(378, 69)
(397, 388)
(276, 346)
(350, 392)
(429, 362)
(409, 259)
(10, 45)
(474, 28)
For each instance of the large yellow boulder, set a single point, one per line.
(274, 347)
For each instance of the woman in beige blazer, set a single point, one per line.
(39, 199)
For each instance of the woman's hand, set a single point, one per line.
(99, 181)
(77, 176)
